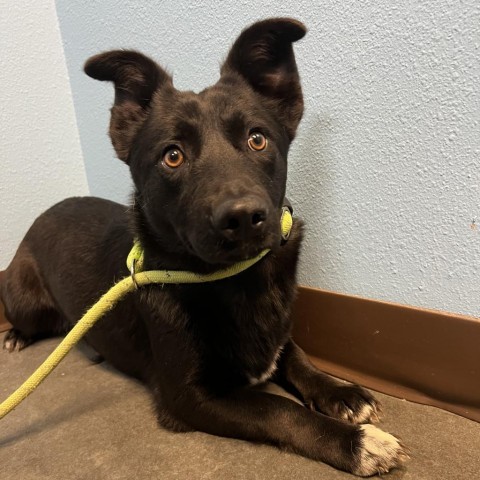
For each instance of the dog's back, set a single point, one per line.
(62, 265)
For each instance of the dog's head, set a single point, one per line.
(210, 168)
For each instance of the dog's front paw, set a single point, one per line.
(378, 452)
(15, 341)
(351, 403)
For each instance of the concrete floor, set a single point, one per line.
(87, 421)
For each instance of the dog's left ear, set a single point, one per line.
(263, 56)
(136, 78)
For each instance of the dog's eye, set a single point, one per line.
(257, 141)
(173, 158)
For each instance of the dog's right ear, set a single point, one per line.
(136, 78)
(263, 56)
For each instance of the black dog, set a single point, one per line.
(210, 172)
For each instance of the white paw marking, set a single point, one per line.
(379, 452)
(11, 345)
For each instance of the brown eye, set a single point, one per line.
(173, 158)
(257, 141)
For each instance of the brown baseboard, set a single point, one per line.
(425, 356)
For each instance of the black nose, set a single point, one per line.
(241, 219)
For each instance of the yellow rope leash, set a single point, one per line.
(114, 295)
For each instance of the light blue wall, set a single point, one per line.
(386, 166)
(40, 155)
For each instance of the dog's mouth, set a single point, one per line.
(236, 251)
(224, 252)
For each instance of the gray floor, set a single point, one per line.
(86, 421)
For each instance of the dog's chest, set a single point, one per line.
(270, 370)
(237, 328)
(244, 339)
(248, 357)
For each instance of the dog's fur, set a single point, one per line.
(200, 348)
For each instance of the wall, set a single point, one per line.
(41, 159)
(385, 170)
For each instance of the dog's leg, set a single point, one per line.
(262, 417)
(320, 392)
(28, 305)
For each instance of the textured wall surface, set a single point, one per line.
(386, 166)
(40, 155)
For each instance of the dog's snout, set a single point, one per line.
(240, 219)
